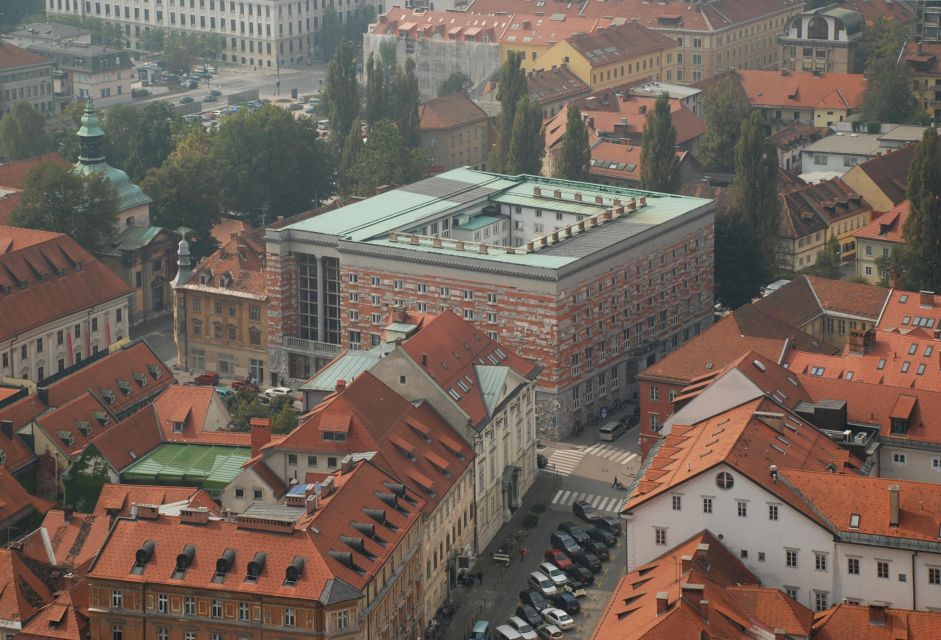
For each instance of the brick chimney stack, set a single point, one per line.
(894, 505)
(261, 434)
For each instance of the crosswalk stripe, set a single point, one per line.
(603, 505)
(596, 501)
(565, 497)
(557, 496)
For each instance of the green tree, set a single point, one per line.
(376, 104)
(106, 34)
(724, 109)
(457, 82)
(63, 130)
(270, 164)
(23, 133)
(57, 199)
(756, 181)
(512, 86)
(889, 94)
(574, 162)
(346, 177)
(12, 12)
(152, 142)
(342, 92)
(884, 41)
(284, 415)
(86, 477)
(187, 192)
(388, 61)
(659, 166)
(920, 261)
(738, 256)
(385, 159)
(827, 264)
(331, 31)
(357, 23)
(121, 123)
(243, 406)
(527, 143)
(407, 104)
(153, 39)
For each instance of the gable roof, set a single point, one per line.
(812, 208)
(888, 227)
(236, 268)
(447, 348)
(12, 57)
(134, 437)
(22, 593)
(67, 543)
(797, 135)
(608, 45)
(906, 310)
(803, 89)
(714, 16)
(71, 426)
(66, 618)
(117, 499)
(15, 502)
(889, 172)
(862, 622)
(449, 112)
(47, 276)
(20, 413)
(192, 406)
(552, 85)
(806, 297)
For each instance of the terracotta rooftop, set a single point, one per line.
(813, 208)
(798, 134)
(237, 266)
(611, 159)
(71, 426)
(22, 593)
(907, 310)
(690, 451)
(861, 622)
(838, 498)
(745, 329)
(449, 113)
(12, 57)
(699, 569)
(551, 85)
(923, 57)
(67, 543)
(889, 172)
(13, 180)
(618, 43)
(20, 413)
(541, 30)
(887, 227)
(131, 375)
(15, 502)
(807, 297)
(872, 10)
(201, 414)
(415, 24)
(117, 499)
(66, 618)
(47, 276)
(803, 89)
(134, 437)
(457, 357)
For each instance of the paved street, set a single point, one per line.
(581, 468)
(159, 335)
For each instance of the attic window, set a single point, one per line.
(183, 561)
(725, 480)
(336, 436)
(85, 427)
(125, 387)
(928, 351)
(913, 348)
(903, 299)
(881, 364)
(255, 566)
(454, 394)
(817, 371)
(177, 427)
(905, 366)
(67, 438)
(142, 557)
(101, 417)
(906, 319)
(140, 379)
(500, 353)
(849, 375)
(921, 369)
(108, 395)
(854, 521)
(223, 565)
(463, 386)
(154, 371)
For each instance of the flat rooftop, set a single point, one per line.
(861, 144)
(210, 467)
(605, 216)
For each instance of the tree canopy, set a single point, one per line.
(57, 199)
(23, 133)
(14, 11)
(385, 159)
(574, 161)
(457, 82)
(377, 103)
(827, 264)
(889, 94)
(659, 166)
(527, 143)
(919, 263)
(342, 92)
(883, 40)
(724, 110)
(511, 88)
(152, 141)
(182, 50)
(333, 29)
(407, 96)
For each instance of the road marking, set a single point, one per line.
(601, 503)
(596, 500)
(565, 460)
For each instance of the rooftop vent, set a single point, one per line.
(143, 556)
(255, 566)
(368, 530)
(346, 559)
(395, 487)
(224, 564)
(183, 561)
(293, 572)
(357, 544)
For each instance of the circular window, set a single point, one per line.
(725, 480)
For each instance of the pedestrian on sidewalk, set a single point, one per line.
(522, 552)
(480, 578)
(614, 485)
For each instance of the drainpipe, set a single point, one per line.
(914, 583)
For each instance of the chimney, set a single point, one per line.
(692, 594)
(67, 513)
(341, 385)
(599, 199)
(198, 515)
(147, 511)
(424, 359)
(686, 563)
(893, 505)
(704, 609)
(537, 191)
(6, 426)
(261, 433)
(926, 299)
(877, 615)
(662, 602)
(346, 464)
(557, 194)
(312, 503)
(578, 196)
(780, 634)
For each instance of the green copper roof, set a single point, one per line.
(131, 239)
(492, 382)
(206, 466)
(129, 194)
(91, 128)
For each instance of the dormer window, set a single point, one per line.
(125, 387)
(67, 437)
(84, 427)
(177, 427)
(140, 379)
(154, 371)
(899, 426)
(101, 417)
(336, 436)
(108, 395)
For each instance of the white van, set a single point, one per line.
(612, 431)
(506, 632)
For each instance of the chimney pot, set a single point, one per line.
(663, 602)
(894, 505)
(312, 503)
(424, 359)
(260, 433)
(926, 298)
(341, 385)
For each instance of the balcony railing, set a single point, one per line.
(313, 347)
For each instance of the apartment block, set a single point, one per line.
(593, 283)
(25, 77)
(826, 39)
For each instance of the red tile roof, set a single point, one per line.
(238, 265)
(15, 502)
(12, 57)
(616, 43)
(888, 227)
(73, 544)
(872, 10)
(456, 25)
(20, 413)
(553, 85)
(814, 207)
(699, 568)
(746, 440)
(449, 112)
(193, 406)
(117, 499)
(22, 593)
(277, 485)
(803, 89)
(453, 349)
(13, 180)
(136, 364)
(907, 310)
(856, 621)
(797, 135)
(135, 436)
(65, 619)
(836, 497)
(71, 426)
(807, 297)
(889, 172)
(708, 17)
(47, 276)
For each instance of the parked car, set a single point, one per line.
(611, 431)
(186, 100)
(224, 392)
(538, 581)
(191, 83)
(207, 378)
(522, 627)
(295, 106)
(506, 632)
(275, 392)
(208, 98)
(576, 532)
(553, 573)
(215, 93)
(606, 538)
(542, 461)
(558, 559)
(480, 630)
(580, 576)
(567, 602)
(584, 510)
(559, 618)
(549, 632)
(576, 590)
(564, 542)
(608, 523)
(588, 560)
(310, 109)
(529, 614)
(534, 599)
(239, 385)
(597, 548)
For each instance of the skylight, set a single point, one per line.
(854, 521)
(881, 364)
(905, 366)
(817, 371)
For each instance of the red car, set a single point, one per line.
(559, 559)
(239, 385)
(207, 378)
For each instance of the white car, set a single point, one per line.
(553, 573)
(549, 632)
(275, 392)
(522, 628)
(576, 590)
(559, 618)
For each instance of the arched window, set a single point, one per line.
(817, 29)
(725, 480)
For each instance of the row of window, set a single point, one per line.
(254, 311)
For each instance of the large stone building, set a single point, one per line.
(826, 39)
(924, 63)
(454, 132)
(593, 283)
(260, 33)
(25, 77)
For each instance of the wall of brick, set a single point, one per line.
(283, 304)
